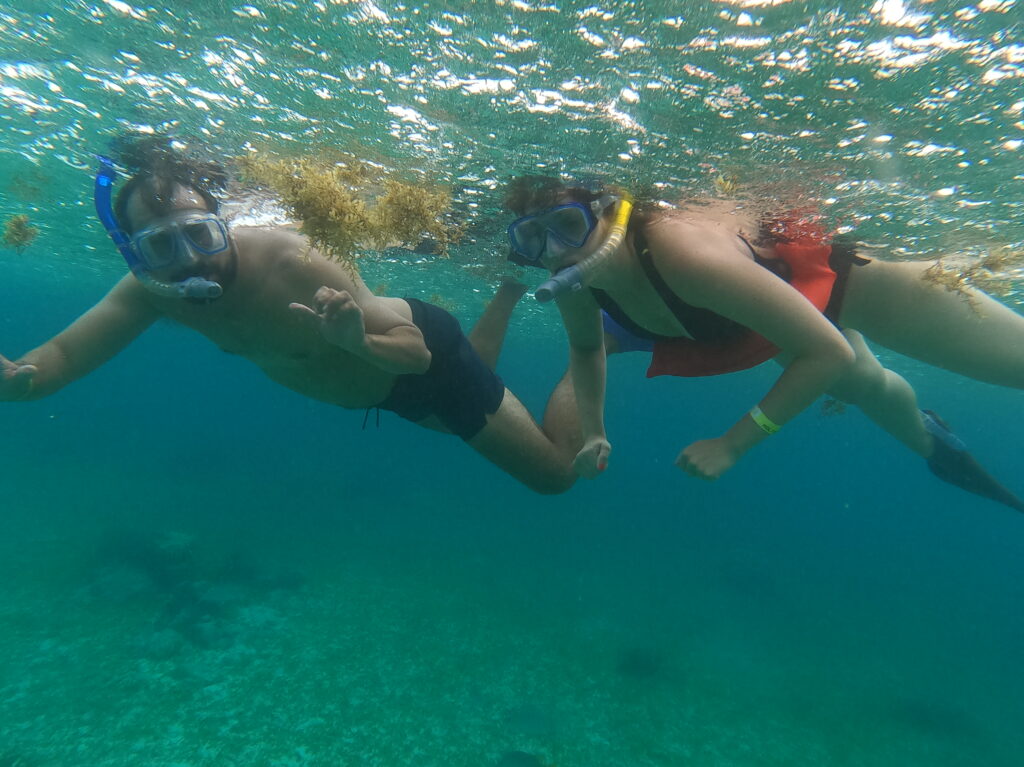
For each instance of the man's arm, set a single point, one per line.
(368, 329)
(87, 343)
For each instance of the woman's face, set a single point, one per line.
(558, 236)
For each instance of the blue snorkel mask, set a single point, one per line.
(570, 226)
(162, 246)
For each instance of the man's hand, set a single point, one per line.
(338, 318)
(15, 380)
(708, 458)
(593, 458)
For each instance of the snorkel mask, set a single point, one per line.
(570, 225)
(181, 240)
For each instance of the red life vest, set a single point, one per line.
(805, 247)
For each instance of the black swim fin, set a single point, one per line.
(951, 463)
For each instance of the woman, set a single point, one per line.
(714, 289)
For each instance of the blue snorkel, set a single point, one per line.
(192, 287)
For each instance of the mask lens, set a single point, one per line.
(528, 238)
(158, 249)
(199, 235)
(206, 236)
(569, 225)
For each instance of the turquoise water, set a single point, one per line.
(200, 568)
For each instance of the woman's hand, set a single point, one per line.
(593, 458)
(15, 380)
(709, 458)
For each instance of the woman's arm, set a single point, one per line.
(582, 318)
(715, 272)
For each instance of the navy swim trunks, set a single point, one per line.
(458, 387)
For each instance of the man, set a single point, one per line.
(310, 324)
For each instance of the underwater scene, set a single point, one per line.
(200, 566)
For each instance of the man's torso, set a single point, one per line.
(252, 319)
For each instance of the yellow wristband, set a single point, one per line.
(768, 426)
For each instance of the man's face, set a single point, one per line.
(177, 241)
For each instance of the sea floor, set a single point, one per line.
(366, 650)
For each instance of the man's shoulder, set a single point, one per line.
(288, 255)
(269, 242)
(130, 298)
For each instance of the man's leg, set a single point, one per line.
(883, 396)
(488, 334)
(539, 458)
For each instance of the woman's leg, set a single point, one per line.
(888, 400)
(895, 305)
(538, 456)
(884, 397)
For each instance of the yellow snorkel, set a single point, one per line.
(576, 276)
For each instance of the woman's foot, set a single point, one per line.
(951, 463)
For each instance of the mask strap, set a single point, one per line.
(599, 205)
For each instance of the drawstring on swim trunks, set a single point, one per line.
(366, 416)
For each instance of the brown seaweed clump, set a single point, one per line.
(727, 184)
(831, 407)
(991, 273)
(438, 300)
(18, 233)
(335, 204)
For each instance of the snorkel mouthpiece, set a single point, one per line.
(576, 276)
(192, 287)
(196, 287)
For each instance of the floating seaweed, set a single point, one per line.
(339, 211)
(18, 233)
(992, 273)
(29, 185)
(831, 407)
(445, 303)
(727, 184)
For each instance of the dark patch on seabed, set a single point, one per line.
(937, 719)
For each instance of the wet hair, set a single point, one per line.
(158, 169)
(534, 192)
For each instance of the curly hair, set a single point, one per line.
(158, 168)
(535, 192)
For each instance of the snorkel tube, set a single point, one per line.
(193, 287)
(576, 276)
